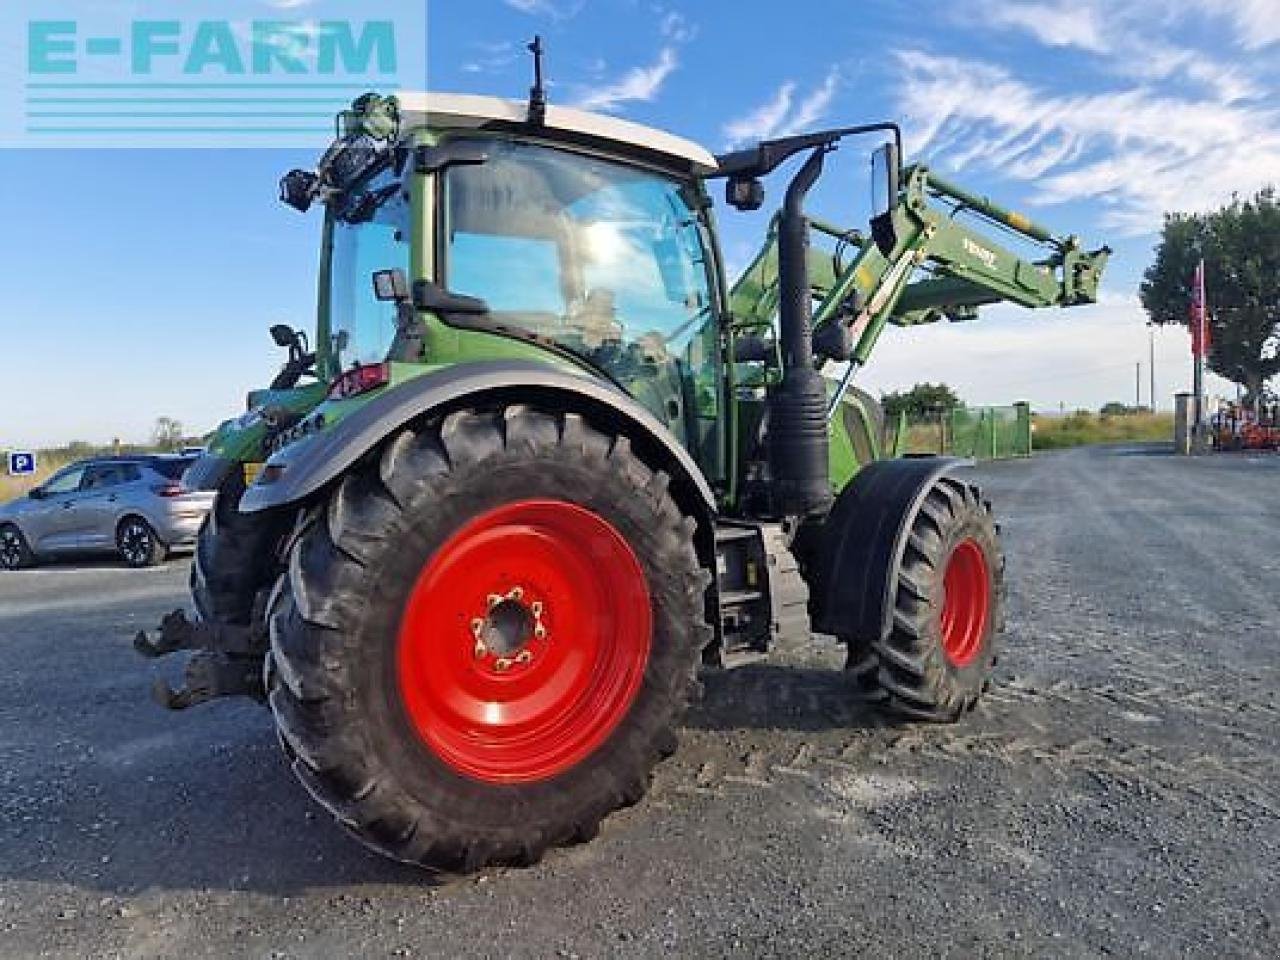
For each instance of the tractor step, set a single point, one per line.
(763, 597)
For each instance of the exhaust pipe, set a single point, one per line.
(798, 440)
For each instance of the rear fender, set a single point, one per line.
(305, 467)
(853, 575)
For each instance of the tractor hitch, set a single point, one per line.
(179, 633)
(210, 675)
(227, 661)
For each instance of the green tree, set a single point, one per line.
(924, 399)
(1241, 248)
(167, 434)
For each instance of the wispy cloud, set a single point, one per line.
(492, 57)
(1101, 26)
(676, 27)
(640, 84)
(1226, 82)
(1055, 24)
(1128, 40)
(1256, 22)
(761, 122)
(1139, 152)
(782, 115)
(552, 9)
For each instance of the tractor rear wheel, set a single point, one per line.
(235, 557)
(485, 638)
(937, 658)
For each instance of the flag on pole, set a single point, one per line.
(1199, 315)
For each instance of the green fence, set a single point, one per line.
(983, 433)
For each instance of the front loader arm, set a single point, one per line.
(939, 267)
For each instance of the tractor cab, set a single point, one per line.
(582, 242)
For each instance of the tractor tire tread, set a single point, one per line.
(234, 558)
(912, 668)
(338, 748)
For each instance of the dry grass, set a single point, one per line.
(1081, 428)
(924, 438)
(13, 487)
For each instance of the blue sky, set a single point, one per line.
(137, 283)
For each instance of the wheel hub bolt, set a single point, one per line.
(509, 651)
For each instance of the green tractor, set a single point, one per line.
(555, 464)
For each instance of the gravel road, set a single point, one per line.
(1117, 793)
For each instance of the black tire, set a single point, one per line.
(336, 615)
(915, 665)
(862, 668)
(235, 557)
(15, 554)
(138, 544)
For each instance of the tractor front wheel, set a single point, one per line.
(938, 655)
(485, 638)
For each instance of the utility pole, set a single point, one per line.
(1137, 387)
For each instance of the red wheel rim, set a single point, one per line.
(524, 641)
(966, 602)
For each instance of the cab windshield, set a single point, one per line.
(370, 232)
(607, 260)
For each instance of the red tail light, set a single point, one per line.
(169, 490)
(360, 380)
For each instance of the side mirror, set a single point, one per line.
(283, 335)
(885, 183)
(391, 286)
(884, 179)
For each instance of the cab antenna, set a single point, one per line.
(537, 93)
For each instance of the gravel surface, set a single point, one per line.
(1117, 793)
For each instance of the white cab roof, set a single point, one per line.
(466, 111)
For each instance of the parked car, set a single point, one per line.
(135, 507)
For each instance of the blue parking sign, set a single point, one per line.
(21, 463)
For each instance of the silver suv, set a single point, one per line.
(133, 506)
